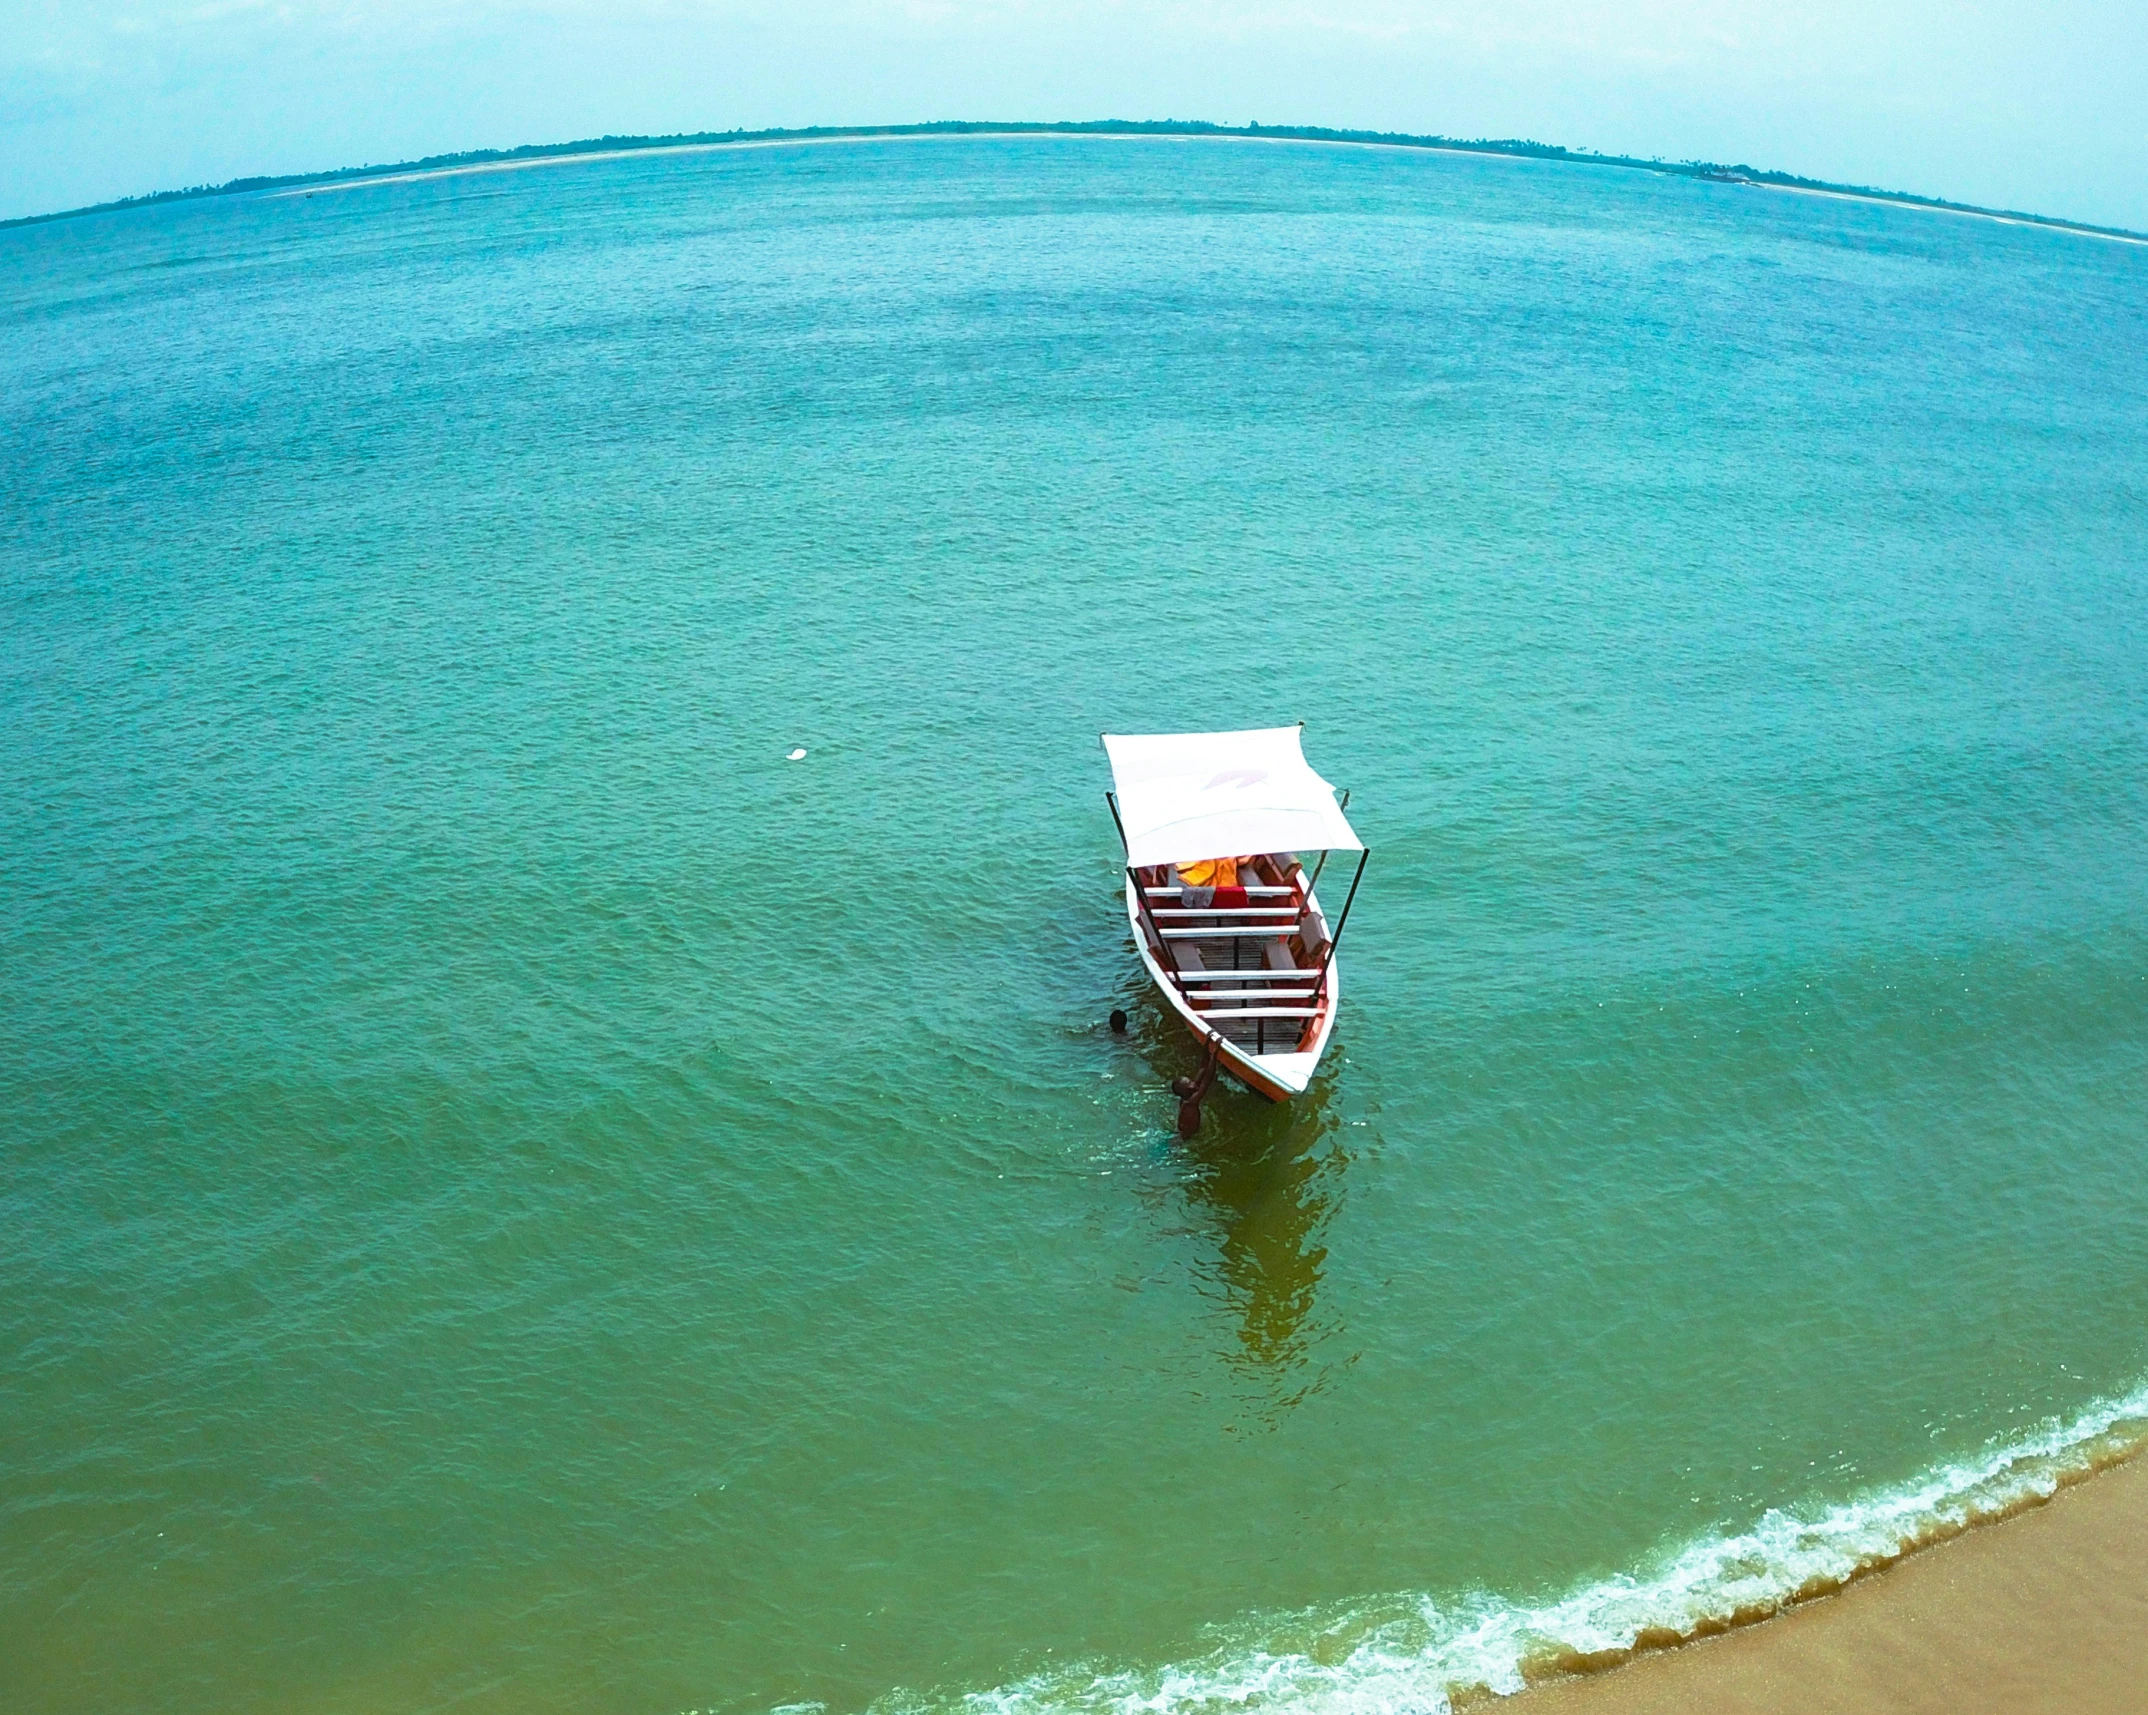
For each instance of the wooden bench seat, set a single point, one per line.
(1262, 892)
(1229, 1012)
(1281, 974)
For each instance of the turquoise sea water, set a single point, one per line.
(515, 1197)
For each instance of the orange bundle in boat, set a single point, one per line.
(1210, 872)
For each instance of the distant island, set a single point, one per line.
(531, 152)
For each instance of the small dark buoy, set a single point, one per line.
(1118, 1022)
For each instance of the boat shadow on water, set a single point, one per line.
(1261, 1180)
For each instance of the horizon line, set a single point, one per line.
(1517, 148)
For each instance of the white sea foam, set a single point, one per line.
(1410, 1654)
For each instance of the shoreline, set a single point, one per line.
(2041, 1608)
(616, 148)
(1727, 1622)
(2030, 222)
(421, 175)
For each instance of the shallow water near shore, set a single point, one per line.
(517, 1196)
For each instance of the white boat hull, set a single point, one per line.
(1279, 1074)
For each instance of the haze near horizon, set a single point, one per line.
(2043, 108)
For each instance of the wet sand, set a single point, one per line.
(2044, 1611)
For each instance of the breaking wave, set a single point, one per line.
(1414, 1654)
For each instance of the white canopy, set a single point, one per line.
(1185, 796)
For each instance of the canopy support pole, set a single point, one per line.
(1141, 895)
(1342, 804)
(1335, 940)
(1163, 947)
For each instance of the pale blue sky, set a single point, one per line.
(2039, 106)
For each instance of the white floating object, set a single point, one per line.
(797, 755)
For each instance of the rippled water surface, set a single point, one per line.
(516, 1197)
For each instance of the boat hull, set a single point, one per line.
(1277, 1076)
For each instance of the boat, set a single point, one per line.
(1250, 969)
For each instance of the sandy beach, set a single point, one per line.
(1944, 208)
(2044, 1611)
